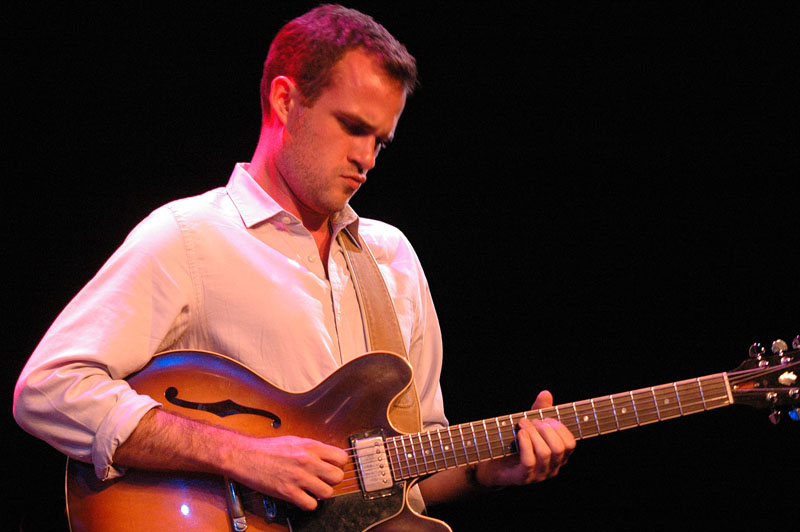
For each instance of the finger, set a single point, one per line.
(527, 455)
(542, 451)
(317, 488)
(543, 400)
(332, 455)
(328, 473)
(301, 499)
(554, 442)
(567, 437)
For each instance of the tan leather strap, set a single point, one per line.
(381, 327)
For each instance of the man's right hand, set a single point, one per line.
(298, 470)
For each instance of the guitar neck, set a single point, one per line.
(423, 453)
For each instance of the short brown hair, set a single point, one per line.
(307, 48)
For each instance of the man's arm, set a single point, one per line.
(290, 468)
(544, 446)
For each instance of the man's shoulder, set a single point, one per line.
(168, 220)
(200, 204)
(379, 233)
(388, 243)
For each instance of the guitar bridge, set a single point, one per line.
(372, 464)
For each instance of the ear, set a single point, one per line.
(283, 95)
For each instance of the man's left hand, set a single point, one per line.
(544, 446)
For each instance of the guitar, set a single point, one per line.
(350, 409)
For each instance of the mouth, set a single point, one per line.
(357, 180)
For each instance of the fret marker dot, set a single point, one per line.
(624, 410)
(666, 401)
(586, 418)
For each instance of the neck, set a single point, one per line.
(265, 172)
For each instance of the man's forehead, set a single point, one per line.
(359, 67)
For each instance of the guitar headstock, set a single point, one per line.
(770, 381)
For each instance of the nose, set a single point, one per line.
(363, 152)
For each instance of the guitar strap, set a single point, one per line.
(382, 330)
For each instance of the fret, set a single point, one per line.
(509, 437)
(577, 420)
(691, 396)
(614, 411)
(486, 435)
(413, 454)
(702, 395)
(715, 391)
(452, 446)
(558, 414)
(635, 411)
(625, 411)
(464, 445)
(423, 452)
(604, 414)
(421, 455)
(395, 461)
(655, 403)
(643, 401)
(406, 456)
(473, 443)
(500, 437)
(441, 447)
(667, 401)
(677, 396)
(432, 452)
(584, 415)
(513, 430)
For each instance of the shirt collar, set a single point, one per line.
(256, 206)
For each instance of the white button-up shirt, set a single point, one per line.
(229, 271)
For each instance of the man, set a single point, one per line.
(254, 270)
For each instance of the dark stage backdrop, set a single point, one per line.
(604, 197)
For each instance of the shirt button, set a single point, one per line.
(287, 220)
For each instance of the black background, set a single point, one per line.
(603, 194)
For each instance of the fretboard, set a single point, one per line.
(415, 455)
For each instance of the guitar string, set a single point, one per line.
(600, 415)
(443, 455)
(351, 472)
(421, 465)
(696, 403)
(646, 409)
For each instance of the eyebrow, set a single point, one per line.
(357, 122)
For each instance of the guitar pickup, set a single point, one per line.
(372, 464)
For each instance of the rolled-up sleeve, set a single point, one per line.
(71, 392)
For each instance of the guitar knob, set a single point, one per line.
(779, 346)
(756, 350)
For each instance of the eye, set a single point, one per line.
(353, 128)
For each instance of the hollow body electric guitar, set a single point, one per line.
(350, 410)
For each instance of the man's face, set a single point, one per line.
(329, 147)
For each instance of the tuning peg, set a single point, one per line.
(775, 417)
(756, 350)
(779, 346)
(796, 342)
(794, 414)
